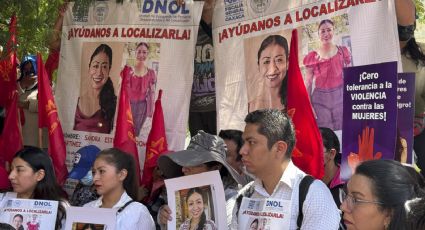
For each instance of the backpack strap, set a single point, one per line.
(303, 190)
(124, 206)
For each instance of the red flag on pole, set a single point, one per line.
(8, 67)
(48, 117)
(11, 138)
(124, 133)
(155, 145)
(308, 152)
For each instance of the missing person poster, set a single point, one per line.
(370, 113)
(82, 218)
(30, 214)
(405, 114)
(251, 40)
(153, 42)
(197, 198)
(264, 214)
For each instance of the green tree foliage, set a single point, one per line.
(420, 11)
(35, 19)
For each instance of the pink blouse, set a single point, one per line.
(327, 73)
(95, 123)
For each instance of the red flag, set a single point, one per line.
(308, 152)
(156, 143)
(48, 117)
(11, 138)
(8, 67)
(124, 134)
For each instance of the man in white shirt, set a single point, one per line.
(272, 199)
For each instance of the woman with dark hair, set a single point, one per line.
(141, 87)
(413, 60)
(18, 219)
(272, 60)
(32, 177)
(96, 106)
(324, 72)
(332, 157)
(376, 194)
(115, 181)
(197, 219)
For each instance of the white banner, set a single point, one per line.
(251, 58)
(29, 214)
(154, 41)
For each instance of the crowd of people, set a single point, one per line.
(253, 163)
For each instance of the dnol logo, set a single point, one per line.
(260, 6)
(164, 7)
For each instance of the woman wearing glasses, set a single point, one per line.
(376, 194)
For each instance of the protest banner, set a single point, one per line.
(28, 213)
(405, 114)
(79, 217)
(370, 113)
(196, 196)
(153, 41)
(264, 214)
(251, 51)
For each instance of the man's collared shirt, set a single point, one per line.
(319, 209)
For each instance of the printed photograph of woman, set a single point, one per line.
(196, 209)
(142, 82)
(97, 102)
(266, 85)
(17, 221)
(324, 74)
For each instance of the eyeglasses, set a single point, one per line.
(352, 202)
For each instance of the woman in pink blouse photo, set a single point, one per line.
(141, 88)
(324, 77)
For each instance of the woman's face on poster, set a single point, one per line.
(99, 70)
(142, 53)
(326, 33)
(17, 222)
(195, 205)
(273, 65)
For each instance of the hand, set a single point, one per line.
(365, 153)
(164, 215)
(62, 9)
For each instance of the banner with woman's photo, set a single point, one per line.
(29, 214)
(152, 42)
(332, 35)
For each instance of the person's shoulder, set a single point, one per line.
(139, 208)
(91, 204)
(310, 58)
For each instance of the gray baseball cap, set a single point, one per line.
(203, 148)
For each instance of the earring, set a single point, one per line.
(386, 226)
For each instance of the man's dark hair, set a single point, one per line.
(275, 125)
(235, 136)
